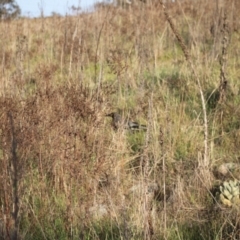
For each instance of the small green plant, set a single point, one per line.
(229, 195)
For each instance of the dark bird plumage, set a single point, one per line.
(118, 121)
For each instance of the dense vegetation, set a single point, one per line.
(9, 9)
(67, 174)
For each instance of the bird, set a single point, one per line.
(118, 121)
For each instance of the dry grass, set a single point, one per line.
(66, 174)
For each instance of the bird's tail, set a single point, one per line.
(143, 126)
(136, 126)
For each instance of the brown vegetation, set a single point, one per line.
(66, 174)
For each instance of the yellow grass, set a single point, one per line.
(66, 174)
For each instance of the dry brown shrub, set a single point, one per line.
(59, 135)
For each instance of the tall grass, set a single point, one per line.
(66, 174)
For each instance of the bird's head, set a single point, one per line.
(110, 114)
